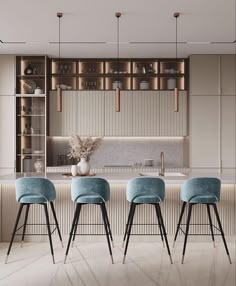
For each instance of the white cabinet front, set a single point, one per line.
(7, 75)
(82, 114)
(228, 131)
(146, 119)
(173, 123)
(7, 131)
(118, 123)
(205, 75)
(204, 131)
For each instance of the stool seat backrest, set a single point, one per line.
(35, 186)
(202, 186)
(145, 186)
(90, 186)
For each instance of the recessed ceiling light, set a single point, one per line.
(157, 43)
(120, 43)
(74, 42)
(199, 43)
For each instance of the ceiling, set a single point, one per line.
(147, 28)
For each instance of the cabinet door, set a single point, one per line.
(173, 123)
(7, 75)
(63, 123)
(82, 114)
(7, 131)
(205, 75)
(228, 131)
(118, 123)
(204, 131)
(145, 113)
(89, 113)
(228, 74)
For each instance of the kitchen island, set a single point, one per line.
(117, 206)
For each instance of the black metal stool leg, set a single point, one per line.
(78, 206)
(14, 231)
(76, 225)
(179, 222)
(127, 224)
(221, 230)
(187, 229)
(49, 230)
(108, 225)
(158, 210)
(25, 223)
(106, 229)
(129, 229)
(56, 222)
(210, 223)
(159, 225)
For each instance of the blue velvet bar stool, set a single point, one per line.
(201, 191)
(145, 190)
(86, 191)
(31, 191)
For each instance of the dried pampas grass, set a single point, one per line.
(83, 147)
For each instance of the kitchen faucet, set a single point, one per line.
(162, 171)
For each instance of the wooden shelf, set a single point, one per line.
(132, 71)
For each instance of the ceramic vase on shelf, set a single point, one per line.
(83, 167)
(74, 170)
(39, 165)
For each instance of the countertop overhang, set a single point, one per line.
(119, 178)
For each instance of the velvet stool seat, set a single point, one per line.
(145, 190)
(86, 191)
(31, 191)
(203, 190)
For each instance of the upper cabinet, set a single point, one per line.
(118, 123)
(204, 75)
(142, 113)
(145, 110)
(135, 74)
(7, 75)
(173, 123)
(227, 74)
(82, 113)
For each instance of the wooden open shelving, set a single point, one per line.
(129, 74)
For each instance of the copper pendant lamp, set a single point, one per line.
(118, 15)
(59, 90)
(176, 90)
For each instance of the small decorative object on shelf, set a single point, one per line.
(38, 90)
(29, 70)
(38, 165)
(82, 148)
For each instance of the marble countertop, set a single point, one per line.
(120, 178)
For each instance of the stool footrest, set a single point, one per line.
(193, 224)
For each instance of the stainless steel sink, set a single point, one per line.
(167, 174)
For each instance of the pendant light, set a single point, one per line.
(176, 91)
(118, 15)
(59, 90)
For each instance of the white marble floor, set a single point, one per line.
(147, 264)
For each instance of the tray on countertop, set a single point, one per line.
(78, 175)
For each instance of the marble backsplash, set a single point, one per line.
(123, 151)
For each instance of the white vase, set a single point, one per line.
(74, 170)
(83, 167)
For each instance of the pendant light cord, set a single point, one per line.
(176, 33)
(59, 49)
(118, 41)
